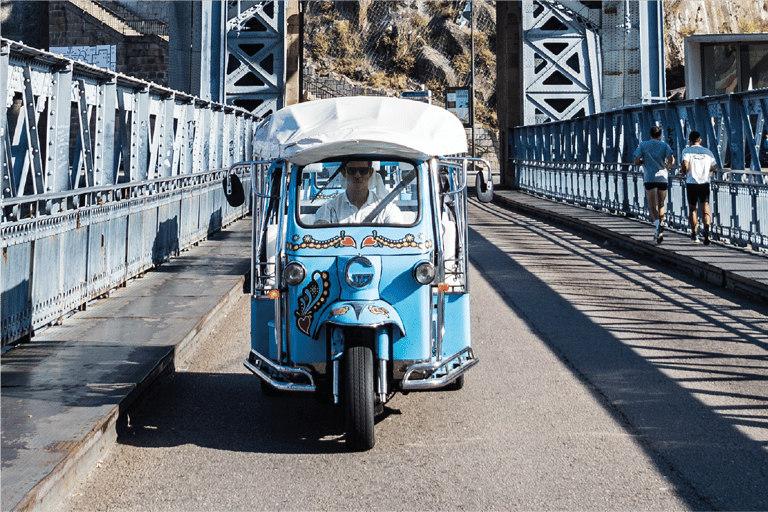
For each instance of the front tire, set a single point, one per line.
(359, 398)
(268, 390)
(457, 384)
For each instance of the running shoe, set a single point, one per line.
(706, 234)
(694, 237)
(660, 234)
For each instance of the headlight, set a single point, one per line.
(359, 272)
(294, 273)
(424, 272)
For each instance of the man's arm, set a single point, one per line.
(323, 214)
(638, 160)
(392, 215)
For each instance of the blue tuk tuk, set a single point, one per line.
(359, 280)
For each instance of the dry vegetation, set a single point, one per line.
(378, 44)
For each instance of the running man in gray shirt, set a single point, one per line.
(656, 158)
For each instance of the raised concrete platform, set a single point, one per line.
(722, 264)
(62, 393)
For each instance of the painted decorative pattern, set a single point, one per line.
(339, 311)
(409, 240)
(311, 300)
(308, 242)
(378, 311)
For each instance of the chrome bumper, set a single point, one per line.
(425, 376)
(283, 378)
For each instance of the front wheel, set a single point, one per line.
(269, 390)
(359, 398)
(457, 384)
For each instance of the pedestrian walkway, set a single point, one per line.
(62, 393)
(725, 265)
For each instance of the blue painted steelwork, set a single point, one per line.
(255, 76)
(103, 176)
(652, 72)
(588, 160)
(562, 61)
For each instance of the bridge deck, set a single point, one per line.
(63, 394)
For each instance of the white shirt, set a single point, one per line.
(699, 161)
(340, 211)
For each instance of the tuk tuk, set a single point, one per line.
(359, 284)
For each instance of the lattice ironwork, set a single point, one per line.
(103, 176)
(255, 75)
(561, 60)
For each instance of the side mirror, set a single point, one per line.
(484, 187)
(233, 190)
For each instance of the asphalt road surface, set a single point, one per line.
(604, 383)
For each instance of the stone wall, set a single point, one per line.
(26, 22)
(143, 57)
(486, 146)
(162, 11)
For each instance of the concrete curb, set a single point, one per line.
(52, 489)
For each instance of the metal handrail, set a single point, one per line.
(739, 198)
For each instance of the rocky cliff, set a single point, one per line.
(405, 45)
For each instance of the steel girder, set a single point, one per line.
(255, 75)
(103, 176)
(561, 61)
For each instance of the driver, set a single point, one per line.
(358, 201)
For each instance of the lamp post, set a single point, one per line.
(472, 78)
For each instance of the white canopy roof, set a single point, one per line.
(312, 131)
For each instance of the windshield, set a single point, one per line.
(358, 191)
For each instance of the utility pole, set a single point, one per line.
(472, 89)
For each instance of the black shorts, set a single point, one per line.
(650, 185)
(697, 192)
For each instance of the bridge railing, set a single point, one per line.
(103, 176)
(739, 199)
(588, 160)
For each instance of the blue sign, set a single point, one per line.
(423, 96)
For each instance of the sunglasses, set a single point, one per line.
(362, 171)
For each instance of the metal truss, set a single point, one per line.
(255, 75)
(561, 60)
(588, 160)
(103, 176)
